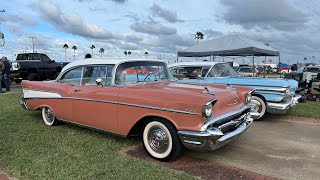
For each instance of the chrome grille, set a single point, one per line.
(231, 122)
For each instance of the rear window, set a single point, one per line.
(30, 56)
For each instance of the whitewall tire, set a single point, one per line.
(48, 117)
(161, 140)
(259, 106)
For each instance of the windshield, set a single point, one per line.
(142, 71)
(246, 70)
(191, 72)
(312, 69)
(222, 70)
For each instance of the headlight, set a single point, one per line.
(248, 97)
(287, 90)
(207, 110)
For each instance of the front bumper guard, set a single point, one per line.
(282, 108)
(212, 138)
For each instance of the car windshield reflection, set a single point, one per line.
(136, 72)
(222, 70)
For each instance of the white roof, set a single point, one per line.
(228, 45)
(202, 63)
(113, 60)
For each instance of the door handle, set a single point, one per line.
(76, 90)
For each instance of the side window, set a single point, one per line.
(179, 72)
(21, 57)
(45, 58)
(92, 73)
(34, 57)
(72, 77)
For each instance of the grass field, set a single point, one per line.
(310, 110)
(31, 150)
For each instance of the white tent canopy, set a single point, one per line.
(229, 45)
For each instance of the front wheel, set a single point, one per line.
(48, 117)
(161, 140)
(259, 106)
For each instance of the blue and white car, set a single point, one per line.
(272, 95)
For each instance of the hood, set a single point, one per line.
(250, 81)
(194, 95)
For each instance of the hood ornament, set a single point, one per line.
(228, 86)
(206, 90)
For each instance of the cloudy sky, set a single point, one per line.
(159, 27)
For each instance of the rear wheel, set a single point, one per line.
(33, 77)
(161, 140)
(48, 117)
(18, 81)
(258, 106)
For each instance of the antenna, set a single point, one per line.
(32, 43)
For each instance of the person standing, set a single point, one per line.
(1, 69)
(6, 73)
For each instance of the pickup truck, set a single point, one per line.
(34, 67)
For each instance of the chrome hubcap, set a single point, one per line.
(49, 115)
(255, 106)
(158, 139)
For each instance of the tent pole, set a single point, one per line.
(279, 66)
(254, 69)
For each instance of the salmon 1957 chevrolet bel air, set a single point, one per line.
(140, 97)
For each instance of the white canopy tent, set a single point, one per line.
(229, 45)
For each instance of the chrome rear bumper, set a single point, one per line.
(213, 137)
(23, 103)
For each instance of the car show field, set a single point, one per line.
(282, 147)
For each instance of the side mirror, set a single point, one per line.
(99, 82)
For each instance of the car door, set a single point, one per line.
(65, 86)
(48, 66)
(95, 105)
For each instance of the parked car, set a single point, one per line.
(101, 94)
(276, 96)
(308, 73)
(34, 67)
(248, 71)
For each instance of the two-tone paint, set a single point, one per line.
(121, 108)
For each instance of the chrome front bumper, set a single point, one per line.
(282, 108)
(213, 138)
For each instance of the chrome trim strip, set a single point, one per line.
(91, 127)
(222, 116)
(121, 103)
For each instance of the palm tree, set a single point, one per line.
(146, 53)
(305, 60)
(199, 35)
(101, 51)
(129, 53)
(125, 53)
(65, 46)
(74, 52)
(92, 47)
